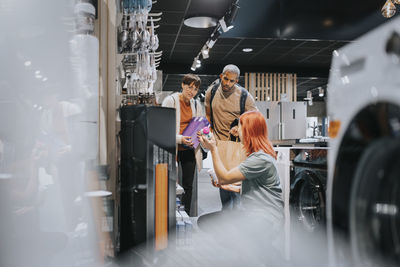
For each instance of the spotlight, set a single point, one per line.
(194, 64)
(309, 95)
(205, 52)
(320, 91)
(223, 24)
(309, 98)
(198, 63)
(210, 43)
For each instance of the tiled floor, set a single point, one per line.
(208, 195)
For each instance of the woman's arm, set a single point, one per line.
(169, 102)
(224, 176)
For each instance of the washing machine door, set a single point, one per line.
(374, 205)
(307, 200)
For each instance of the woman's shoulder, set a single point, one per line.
(170, 100)
(262, 155)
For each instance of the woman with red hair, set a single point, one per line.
(261, 188)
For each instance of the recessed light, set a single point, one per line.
(247, 50)
(200, 22)
(27, 63)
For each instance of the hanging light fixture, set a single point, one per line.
(389, 9)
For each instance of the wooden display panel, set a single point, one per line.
(264, 86)
(161, 207)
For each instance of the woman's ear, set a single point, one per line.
(182, 84)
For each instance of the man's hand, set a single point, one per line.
(187, 140)
(215, 183)
(234, 131)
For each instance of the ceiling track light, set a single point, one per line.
(194, 64)
(309, 95)
(210, 43)
(230, 17)
(224, 25)
(205, 52)
(321, 92)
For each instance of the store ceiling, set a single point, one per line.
(288, 36)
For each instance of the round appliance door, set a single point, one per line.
(307, 200)
(374, 205)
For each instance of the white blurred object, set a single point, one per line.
(36, 36)
(98, 193)
(179, 190)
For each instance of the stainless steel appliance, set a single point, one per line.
(285, 120)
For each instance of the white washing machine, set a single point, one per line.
(363, 190)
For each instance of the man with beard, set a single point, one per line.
(225, 101)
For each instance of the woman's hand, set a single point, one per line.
(209, 144)
(234, 131)
(230, 187)
(187, 141)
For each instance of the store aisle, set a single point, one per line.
(208, 196)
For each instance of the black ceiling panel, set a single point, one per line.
(192, 39)
(171, 18)
(195, 31)
(227, 41)
(286, 36)
(329, 20)
(211, 8)
(167, 29)
(166, 38)
(169, 5)
(221, 48)
(257, 19)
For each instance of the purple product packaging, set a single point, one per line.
(195, 125)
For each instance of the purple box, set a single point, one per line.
(195, 125)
